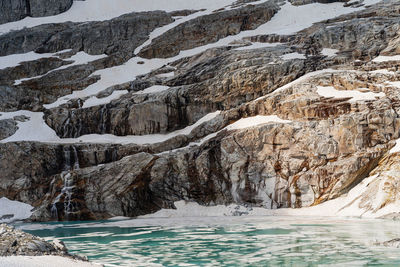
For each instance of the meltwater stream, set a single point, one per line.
(229, 241)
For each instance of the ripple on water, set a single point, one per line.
(269, 241)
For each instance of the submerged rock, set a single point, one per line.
(394, 243)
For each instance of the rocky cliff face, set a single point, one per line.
(13, 10)
(237, 104)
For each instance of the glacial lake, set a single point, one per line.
(228, 241)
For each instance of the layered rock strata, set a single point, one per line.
(299, 119)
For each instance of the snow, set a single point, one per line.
(36, 129)
(112, 76)
(395, 84)
(166, 75)
(396, 148)
(294, 55)
(238, 125)
(345, 206)
(288, 20)
(94, 101)
(79, 58)
(257, 45)
(19, 210)
(386, 58)
(98, 10)
(192, 209)
(153, 89)
(255, 121)
(330, 91)
(43, 261)
(15, 59)
(329, 52)
(299, 80)
(382, 71)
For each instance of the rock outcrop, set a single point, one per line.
(14, 242)
(122, 34)
(209, 29)
(13, 10)
(297, 119)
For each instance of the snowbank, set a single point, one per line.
(330, 91)
(294, 55)
(97, 10)
(43, 133)
(386, 58)
(16, 210)
(290, 19)
(79, 58)
(329, 52)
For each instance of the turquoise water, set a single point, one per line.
(229, 241)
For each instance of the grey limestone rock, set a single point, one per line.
(13, 10)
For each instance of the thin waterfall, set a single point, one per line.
(66, 128)
(71, 162)
(76, 159)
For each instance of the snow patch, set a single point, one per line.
(294, 55)
(255, 121)
(330, 91)
(15, 59)
(345, 206)
(15, 209)
(386, 58)
(192, 209)
(396, 148)
(79, 58)
(382, 71)
(257, 45)
(166, 75)
(94, 101)
(395, 84)
(289, 19)
(153, 89)
(329, 52)
(100, 10)
(238, 125)
(35, 129)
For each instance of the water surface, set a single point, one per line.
(229, 241)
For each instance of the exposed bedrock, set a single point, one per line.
(30, 184)
(29, 69)
(220, 83)
(31, 94)
(272, 166)
(122, 35)
(330, 145)
(323, 134)
(28, 166)
(12, 10)
(360, 37)
(136, 116)
(209, 29)
(7, 128)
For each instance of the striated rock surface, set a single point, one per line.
(209, 29)
(270, 120)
